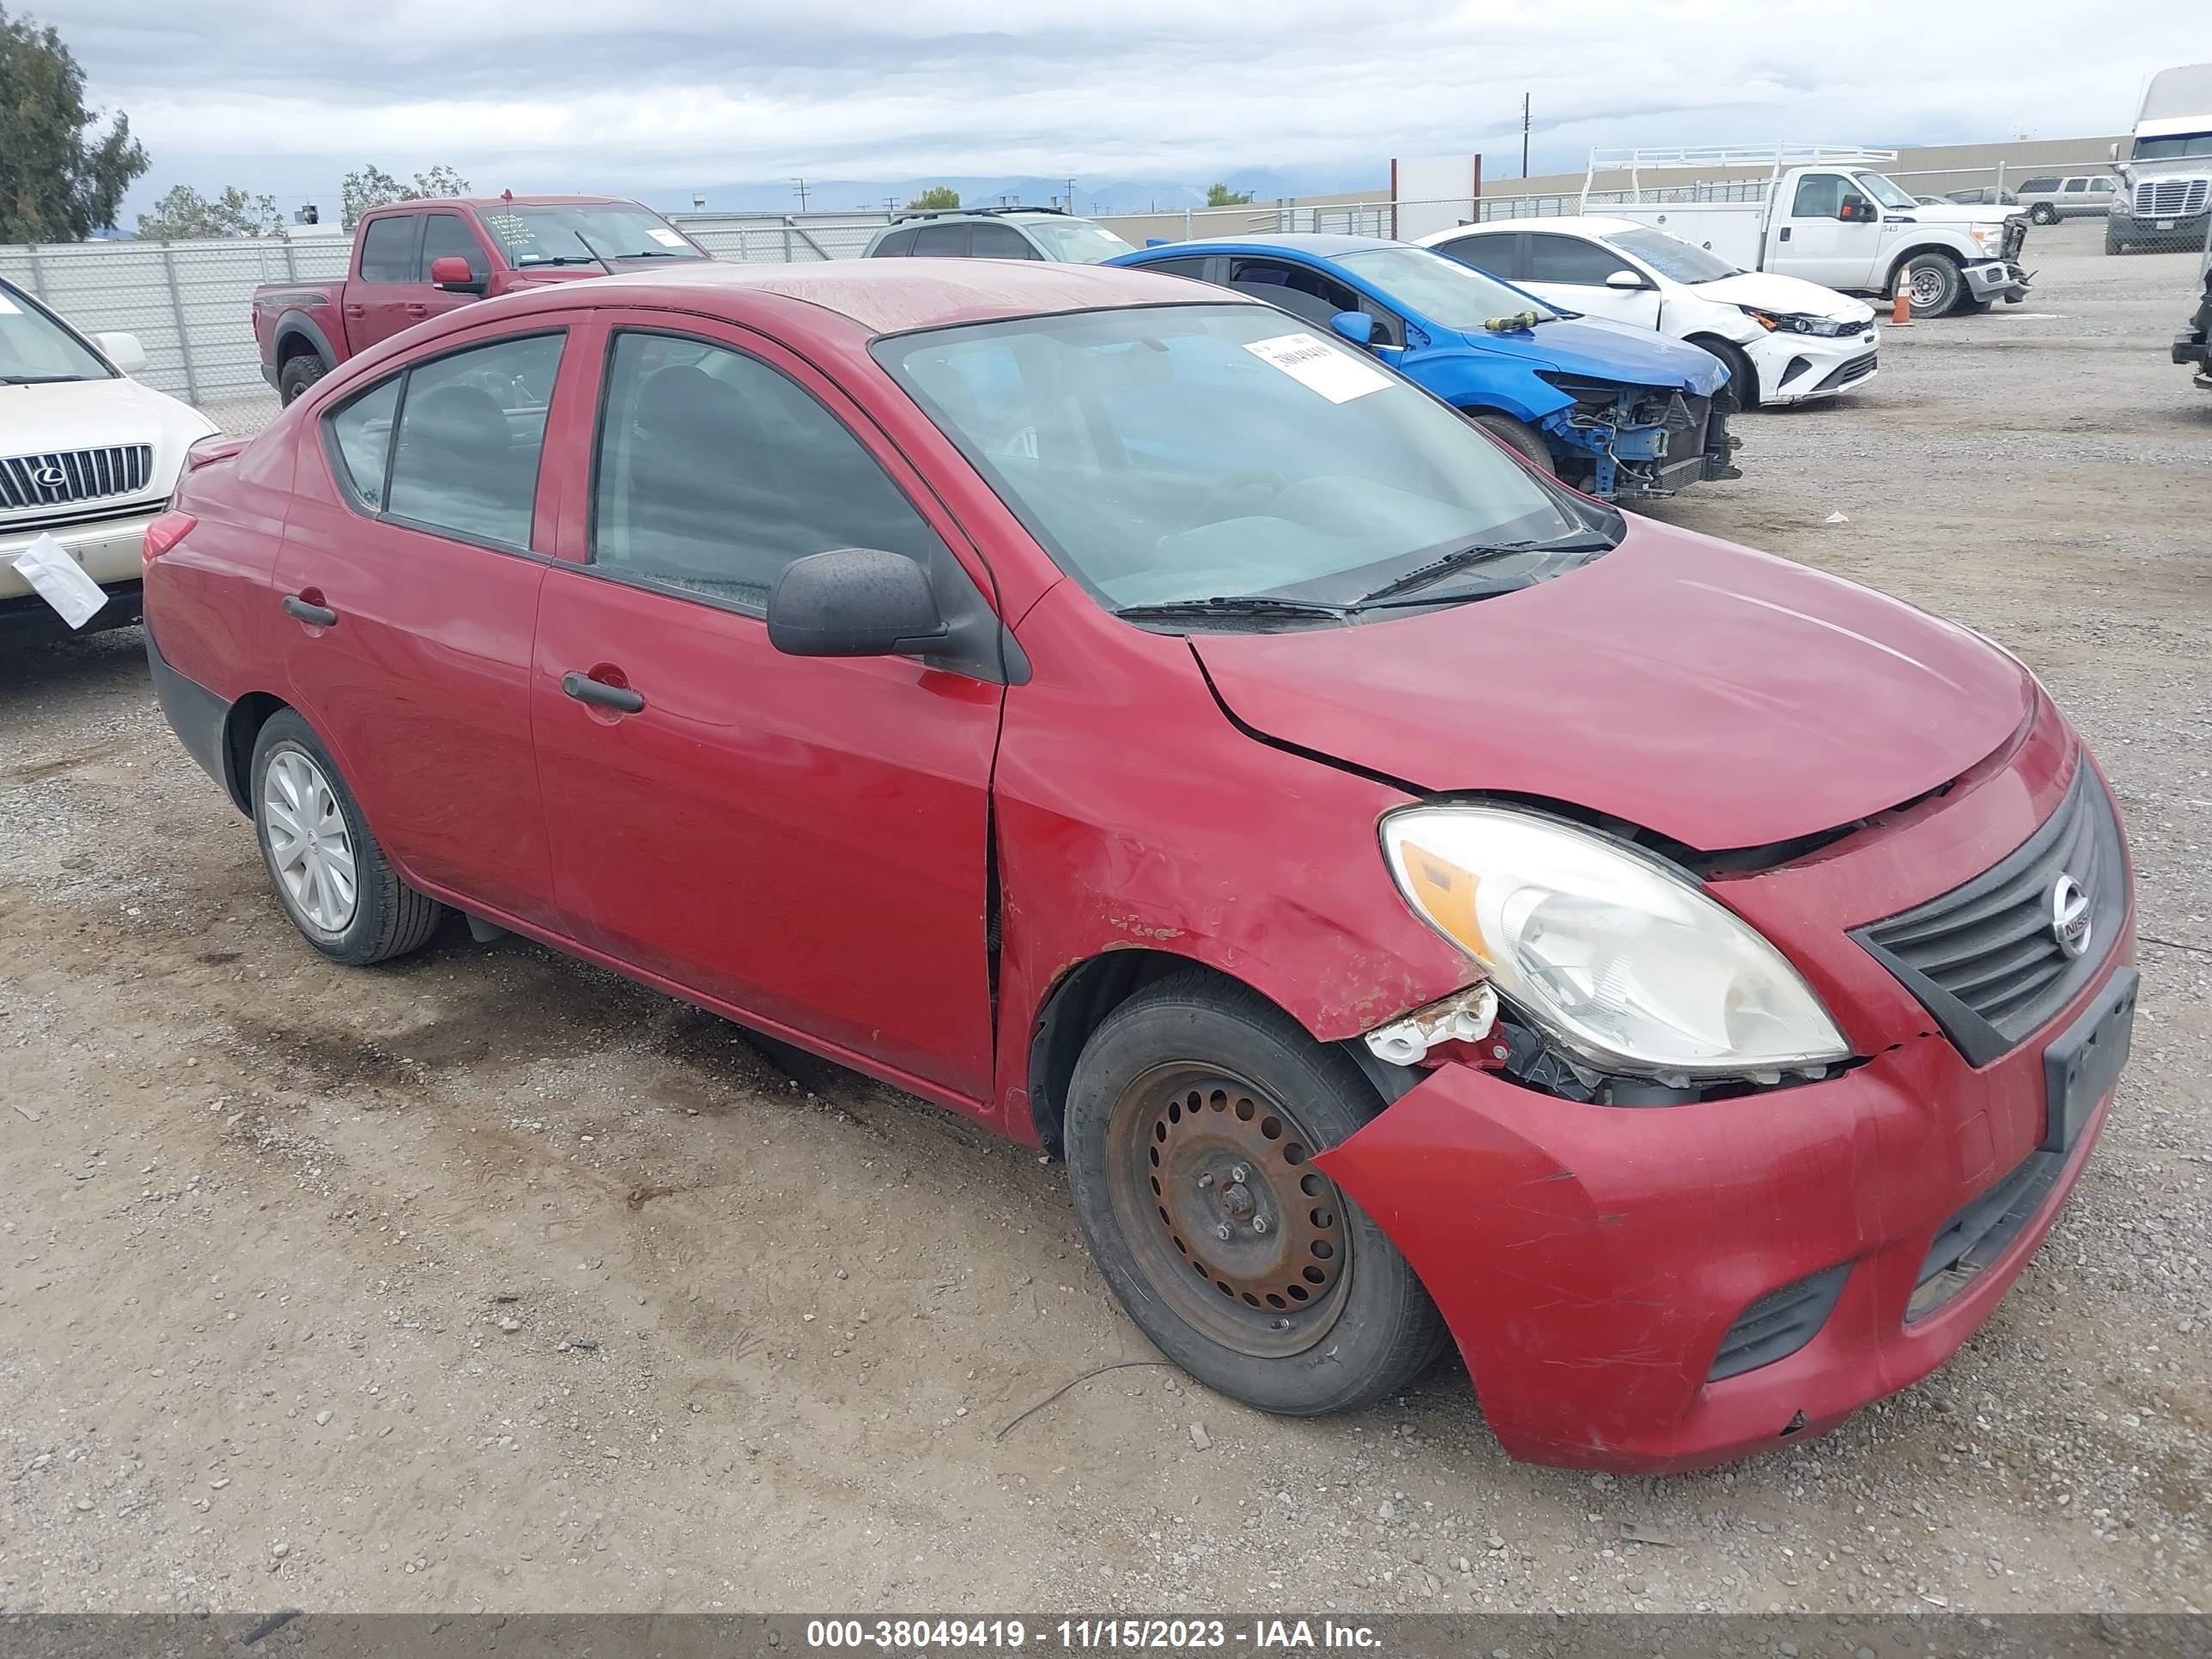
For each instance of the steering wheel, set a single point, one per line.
(1243, 487)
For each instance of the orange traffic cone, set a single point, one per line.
(1900, 309)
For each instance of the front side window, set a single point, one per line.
(1820, 196)
(715, 471)
(1299, 289)
(2100, 187)
(1168, 454)
(2076, 186)
(471, 428)
(448, 235)
(583, 234)
(34, 347)
(387, 249)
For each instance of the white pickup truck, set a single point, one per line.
(1823, 212)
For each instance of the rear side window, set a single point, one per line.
(471, 428)
(2076, 186)
(715, 471)
(1553, 259)
(362, 434)
(997, 242)
(387, 250)
(2040, 184)
(448, 235)
(941, 241)
(1492, 253)
(897, 244)
(1192, 268)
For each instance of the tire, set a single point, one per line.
(2112, 242)
(298, 374)
(295, 781)
(1971, 308)
(1743, 378)
(1934, 285)
(1307, 1308)
(1518, 436)
(2043, 214)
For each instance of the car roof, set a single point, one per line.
(883, 297)
(1319, 244)
(1574, 224)
(493, 204)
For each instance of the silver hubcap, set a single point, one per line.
(1927, 287)
(308, 846)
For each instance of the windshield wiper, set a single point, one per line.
(1479, 553)
(565, 259)
(1228, 604)
(40, 379)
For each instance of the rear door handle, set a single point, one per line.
(321, 615)
(584, 688)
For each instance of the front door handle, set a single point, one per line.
(416, 308)
(302, 610)
(584, 688)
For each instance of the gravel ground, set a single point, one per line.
(489, 1280)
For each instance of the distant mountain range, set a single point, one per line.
(1092, 196)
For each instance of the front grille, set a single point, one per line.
(1858, 369)
(2169, 198)
(1985, 958)
(1980, 1234)
(2015, 237)
(1778, 1323)
(63, 476)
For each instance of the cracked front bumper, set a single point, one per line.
(1593, 1261)
(1998, 279)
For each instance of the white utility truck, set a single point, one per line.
(1823, 212)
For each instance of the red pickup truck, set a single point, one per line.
(417, 260)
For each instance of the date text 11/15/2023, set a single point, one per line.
(1086, 1635)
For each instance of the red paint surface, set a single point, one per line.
(805, 845)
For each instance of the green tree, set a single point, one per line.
(370, 187)
(184, 216)
(937, 196)
(61, 179)
(1222, 195)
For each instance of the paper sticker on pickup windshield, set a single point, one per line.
(1337, 375)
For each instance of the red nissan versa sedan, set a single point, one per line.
(1414, 899)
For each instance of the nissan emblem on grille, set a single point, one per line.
(2070, 915)
(50, 477)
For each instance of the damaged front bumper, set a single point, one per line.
(1662, 1289)
(1998, 279)
(1637, 441)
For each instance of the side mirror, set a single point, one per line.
(1625, 279)
(1855, 207)
(122, 350)
(449, 272)
(2112, 152)
(1356, 327)
(853, 602)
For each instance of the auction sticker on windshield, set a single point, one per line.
(1337, 375)
(665, 238)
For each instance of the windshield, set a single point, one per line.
(1076, 241)
(2172, 147)
(584, 235)
(1441, 289)
(1884, 191)
(1172, 454)
(1671, 257)
(35, 347)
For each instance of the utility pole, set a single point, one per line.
(1524, 135)
(799, 189)
(1071, 196)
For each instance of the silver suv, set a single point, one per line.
(2050, 197)
(1017, 233)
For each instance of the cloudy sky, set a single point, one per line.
(671, 95)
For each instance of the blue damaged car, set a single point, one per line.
(1623, 413)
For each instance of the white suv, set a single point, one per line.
(86, 454)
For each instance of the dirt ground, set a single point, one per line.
(490, 1280)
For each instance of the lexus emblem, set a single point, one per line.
(2070, 915)
(50, 477)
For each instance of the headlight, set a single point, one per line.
(1791, 322)
(1986, 234)
(1615, 954)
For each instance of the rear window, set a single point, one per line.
(896, 245)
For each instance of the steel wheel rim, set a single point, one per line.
(1195, 1152)
(310, 847)
(1927, 287)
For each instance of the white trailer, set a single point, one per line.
(1823, 212)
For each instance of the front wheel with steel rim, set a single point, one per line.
(1932, 284)
(328, 870)
(1194, 1117)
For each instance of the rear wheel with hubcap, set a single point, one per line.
(1192, 1119)
(2043, 214)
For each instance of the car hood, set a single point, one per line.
(1607, 351)
(1965, 213)
(89, 414)
(1720, 696)
(1791, 295)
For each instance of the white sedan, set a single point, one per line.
(1786, 340)
(87, 455)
